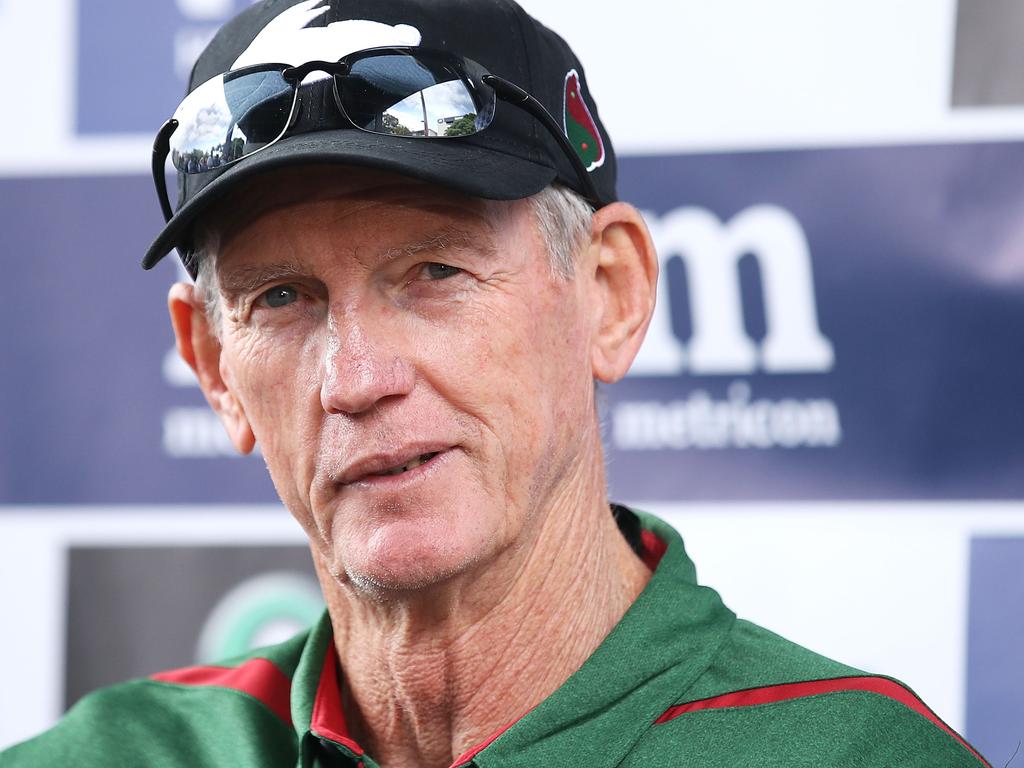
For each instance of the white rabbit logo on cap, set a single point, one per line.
(288, 39)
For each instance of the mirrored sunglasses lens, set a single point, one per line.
(229, 117)
(403, 95)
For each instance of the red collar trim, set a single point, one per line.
(328, 716)
(259, 678)
(329, 719)
(774, 693)
(653, 549)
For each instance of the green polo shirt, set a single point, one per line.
(680, 681)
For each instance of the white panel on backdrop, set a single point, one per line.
(684, 76)
(33, 554)
(743, 73)
(32, 603)
(204, 10)
(36, 42)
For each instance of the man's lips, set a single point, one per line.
(384, 466)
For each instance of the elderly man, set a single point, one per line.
(411, 271)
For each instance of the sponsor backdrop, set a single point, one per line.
(826, 405)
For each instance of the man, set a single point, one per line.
(411, 324)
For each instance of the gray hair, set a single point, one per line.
(562, 216)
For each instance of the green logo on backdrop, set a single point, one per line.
(263, 610)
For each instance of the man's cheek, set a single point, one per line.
(275, 410)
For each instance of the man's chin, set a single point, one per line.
(395, 563)
(390, 586)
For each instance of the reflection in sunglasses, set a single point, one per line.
(432, 111)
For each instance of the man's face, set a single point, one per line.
(416, 376)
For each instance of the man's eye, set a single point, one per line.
(280, 296)
(437, 271)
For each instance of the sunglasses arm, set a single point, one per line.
(513, 94)
(161, 148)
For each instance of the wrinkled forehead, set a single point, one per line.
(285, 188)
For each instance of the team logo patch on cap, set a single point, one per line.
(291, 38)
(579, 124)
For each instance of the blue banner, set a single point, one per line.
(832, 324)
(835, 324)
(134, 59)
(995, 655)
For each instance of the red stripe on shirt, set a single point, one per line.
(774, 693)
(259, 678)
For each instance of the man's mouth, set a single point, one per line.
(421, 459)
(381, 466)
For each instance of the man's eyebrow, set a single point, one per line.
(236, 281)
(245, 278)
(448, 239)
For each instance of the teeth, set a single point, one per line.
(410, 465)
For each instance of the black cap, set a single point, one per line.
(515, 157)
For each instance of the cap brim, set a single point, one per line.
(457, 164)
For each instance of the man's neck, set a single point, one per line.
(426, 680)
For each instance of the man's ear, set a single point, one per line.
(623, 267)
(199, 347)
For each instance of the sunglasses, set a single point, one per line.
(409, 92)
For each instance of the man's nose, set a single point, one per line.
(363, 365)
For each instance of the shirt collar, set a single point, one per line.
(316, 702)
(663, 643)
